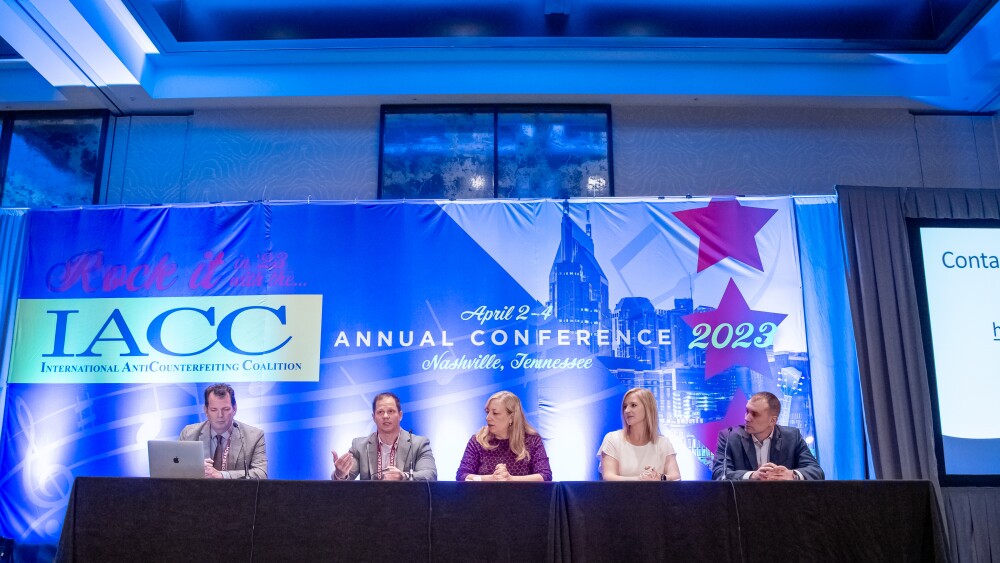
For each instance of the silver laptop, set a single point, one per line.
(172, 458)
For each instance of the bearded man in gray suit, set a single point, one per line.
(239, 449)
(389, 453)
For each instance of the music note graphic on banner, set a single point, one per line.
(47, 485)
(84, 412)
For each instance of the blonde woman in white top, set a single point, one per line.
(638, 452)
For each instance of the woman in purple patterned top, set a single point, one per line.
(507, 448)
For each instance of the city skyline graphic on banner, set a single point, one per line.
(702, 373)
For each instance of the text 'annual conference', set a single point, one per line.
(561, 337)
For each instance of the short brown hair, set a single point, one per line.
(220, 390)
(381, 396)
(773, 404)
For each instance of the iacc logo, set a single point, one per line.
(167, 339)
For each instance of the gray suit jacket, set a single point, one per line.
(247, 449)
(740, 455)
(413, 456)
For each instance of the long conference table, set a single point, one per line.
(138, 519)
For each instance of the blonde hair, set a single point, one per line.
(519, 427)
(648, 402)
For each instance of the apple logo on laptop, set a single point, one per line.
(177, 460)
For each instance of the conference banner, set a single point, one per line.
(309, 310)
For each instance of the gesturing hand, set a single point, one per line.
(342, 464)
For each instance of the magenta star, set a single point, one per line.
(734, 334)
(708, 433)
(726, 229)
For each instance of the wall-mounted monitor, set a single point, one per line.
(475, 152)
(51, 158)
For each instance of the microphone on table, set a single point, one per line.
(377, 475)
(246, 472)
(409, 455)
(725, 455)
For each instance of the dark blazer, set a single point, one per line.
(247, 451)
(787, 449)
(413, 457)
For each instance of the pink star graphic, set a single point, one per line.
(708, 433)
(726, 229)
(743, 342)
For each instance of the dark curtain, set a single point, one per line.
(973, 522)
(883, 300)
(894, 383)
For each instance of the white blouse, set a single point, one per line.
(632, 460)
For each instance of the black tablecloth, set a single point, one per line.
(181, 520)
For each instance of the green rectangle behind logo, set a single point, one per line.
(167, 339)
